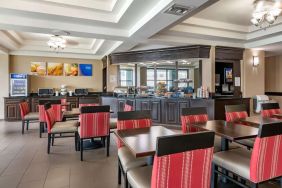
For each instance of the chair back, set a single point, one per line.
(89, 102)
(94, 121)
(267, 153)
(64, 108)
(235, 112)
(24, 109)
(193, 115)
(50, 116)
(269, 109)
(183, 161)
(129, 106)
(133, 120)
(56, 106)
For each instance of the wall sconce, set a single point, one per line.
(255, 61)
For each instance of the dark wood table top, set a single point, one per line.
(258, 120)
(277, 116)
(142, 142)
(75, 112)
(230, 131)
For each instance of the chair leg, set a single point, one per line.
(280, 182)
(40, 129)
(125, 180)
(119, 173)
(108, 145)
(49, 142)
(23, 122)
(214, 177)
(254, 185)
(27, 125)
(81, 149)
(53, 138)
(75, 140)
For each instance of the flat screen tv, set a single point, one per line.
(228, 75)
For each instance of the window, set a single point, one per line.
(126, 77)
(167, 76)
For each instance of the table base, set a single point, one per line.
(92, 144)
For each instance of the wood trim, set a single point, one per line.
(173, 53)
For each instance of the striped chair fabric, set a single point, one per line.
(132, 124)
(266, 159)
(187, 120)
(90, 104)
(234, 116)
(57, 109)
(186, 166)
(127, 108)
(24, 109)
(50, 116)
(270, 112)
(94, 124)
(64, 101)
(42, 117)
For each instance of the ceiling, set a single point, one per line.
(100, 27)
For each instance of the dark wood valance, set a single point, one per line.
(173, 53)
(228, 53)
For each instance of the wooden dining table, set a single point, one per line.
(279, 116)
(142, 141)
(228, 131)
(74, 113)
(258, 120)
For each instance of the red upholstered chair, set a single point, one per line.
(261, 164)
(193, 115)
(234, 113)
(26, 115)
(130, 120)
(94, 122)
(269, 109)
(58, 128)
(180, 161)
(56, 106)
(64, 107)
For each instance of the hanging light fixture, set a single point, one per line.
(266, 12)
(57, 43)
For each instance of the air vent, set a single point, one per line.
(178, 10)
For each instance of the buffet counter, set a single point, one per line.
(164, 110)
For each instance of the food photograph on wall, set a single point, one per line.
(38, 68)
(71, 69)
(55, 69)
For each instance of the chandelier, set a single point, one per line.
(57, 42)
(266, 12)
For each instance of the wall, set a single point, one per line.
(112, 75)
(21, 64)
(273, 76)
(208, 71)
(4, 77)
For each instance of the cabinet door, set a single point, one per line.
(121, 103)
(171, 114)
(11, 112)
(156, 111)
(181, 105)
(145, 105)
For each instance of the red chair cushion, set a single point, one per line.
(186, 121)
(132, 124)
(266, 159)
(127, 108)
(190, 169)
(270, 112)
(234, 116)
(24, 109)
(94, 125)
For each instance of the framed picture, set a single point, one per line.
(70, 69)
(85, 69)
(38, 68)
(228, 75)
(55, 69)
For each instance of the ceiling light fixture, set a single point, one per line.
(266, 13)
(57, 43)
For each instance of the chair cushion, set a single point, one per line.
(32, 116)
(140, 177)
(236, 160)
(113, 123)
(128, 161)
(64, 127)
(247, 142)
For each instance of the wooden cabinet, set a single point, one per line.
(120, 105)
(12, 109)
(150, 104)
(73, 102)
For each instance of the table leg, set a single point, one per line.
(150, 160)
(224, 144)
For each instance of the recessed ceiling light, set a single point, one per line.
(178, 10)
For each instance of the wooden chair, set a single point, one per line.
(94, 122)
(269, 109)
(26, 115)
(126, 161)
(89, 102)
(193, 115)
(180, 161)
(250, 168)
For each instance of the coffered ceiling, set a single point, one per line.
(100, 27)
(96, 27)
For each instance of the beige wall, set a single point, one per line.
(21, 64)
(208, 71)
(253, 81)
(4, 77)
(273, 76)
(112, 75)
